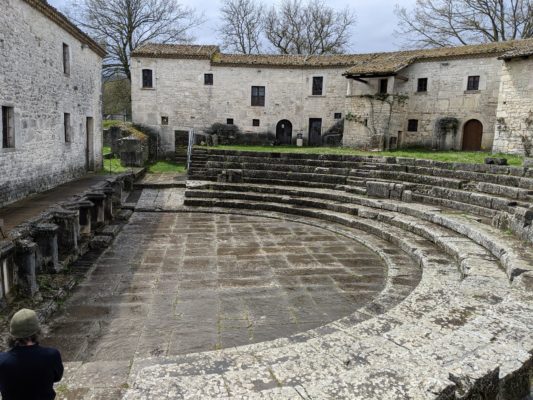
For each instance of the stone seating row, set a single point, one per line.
(500, 193)
(58, 236)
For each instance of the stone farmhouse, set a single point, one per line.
(50, 96)
(465, 98)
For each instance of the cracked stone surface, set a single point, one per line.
(179, 283)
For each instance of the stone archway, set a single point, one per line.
(284, 132)
(472, 135)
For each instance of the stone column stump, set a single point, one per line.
(47, 254)
(25, 252)
(7, 271)
(116, 184)
(108, 203)
(98, 211)
(69, 230)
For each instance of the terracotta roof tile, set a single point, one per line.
(54, 15)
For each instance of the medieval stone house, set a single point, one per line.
(50, 99)
(451, 98)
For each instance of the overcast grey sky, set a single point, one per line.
(373, 32)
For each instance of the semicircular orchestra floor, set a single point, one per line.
(181, 283)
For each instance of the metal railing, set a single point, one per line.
(192, 134)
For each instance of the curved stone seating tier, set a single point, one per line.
(502, 193)
(455, 334)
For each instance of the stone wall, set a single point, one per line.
(179, 93)
(34, 85)
(515, 106)
(446, 96)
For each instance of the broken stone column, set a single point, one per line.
(116, 185)
(85, 210)
(98, 211)
(47, 255)
(69, 230)
(131, 152)
(25, 261)
(129, 180)
(7, 270)
(108, 203)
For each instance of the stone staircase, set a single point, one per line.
(463, 332)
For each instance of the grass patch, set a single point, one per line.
(166, 167)
(474, 157)
(108, 123)
(106, 150)
(112, 166)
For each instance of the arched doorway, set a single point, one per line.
(284, 132)
(472, 135)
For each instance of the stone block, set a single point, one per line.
(495, 161)
(47, 255)
(379, 189)
(25, 261)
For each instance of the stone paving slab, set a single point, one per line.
(162, 180)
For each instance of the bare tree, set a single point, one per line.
(123, 25)
(308, 28)
(434, 23)
(242, 24)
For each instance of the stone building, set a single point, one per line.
(50, 96)
(439, 98)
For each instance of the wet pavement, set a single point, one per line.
(179, 283)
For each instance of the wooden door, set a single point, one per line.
(315, 131)
(472, 135)
(284, 132)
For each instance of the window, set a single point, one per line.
(8, 127)
(412, 125)
(422, 85)
(258, 96)
(66, 59)
(383, 86)
(473, 83)
(318, 83)
(147, 76)
(337, 115)
(229, 121)
(256, 122)
(164, 120)
(66, 127)
(208, 79)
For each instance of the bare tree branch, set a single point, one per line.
(308, 28)
(123, 25)
(242, 24)
(435, 23)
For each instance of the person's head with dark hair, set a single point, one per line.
(24, 328)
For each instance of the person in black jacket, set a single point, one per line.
(28, 371)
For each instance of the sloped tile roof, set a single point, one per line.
(158, 50)
(523, 51)
(60, 19)
(357, 64)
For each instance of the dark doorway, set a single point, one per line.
(472, 135)
(89, 149)
(284, 132)
(315, 131)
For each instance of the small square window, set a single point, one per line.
(412, 125)
(256, 122)
(164, 120)
(383, 86)
(473, 83)
(229, 121)
(66, 128)
(8, 127)
(318, 83)
(337, 115)
(258, 96)
(66, 59)
(422, 85)
(208, 79)
(148, 82)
